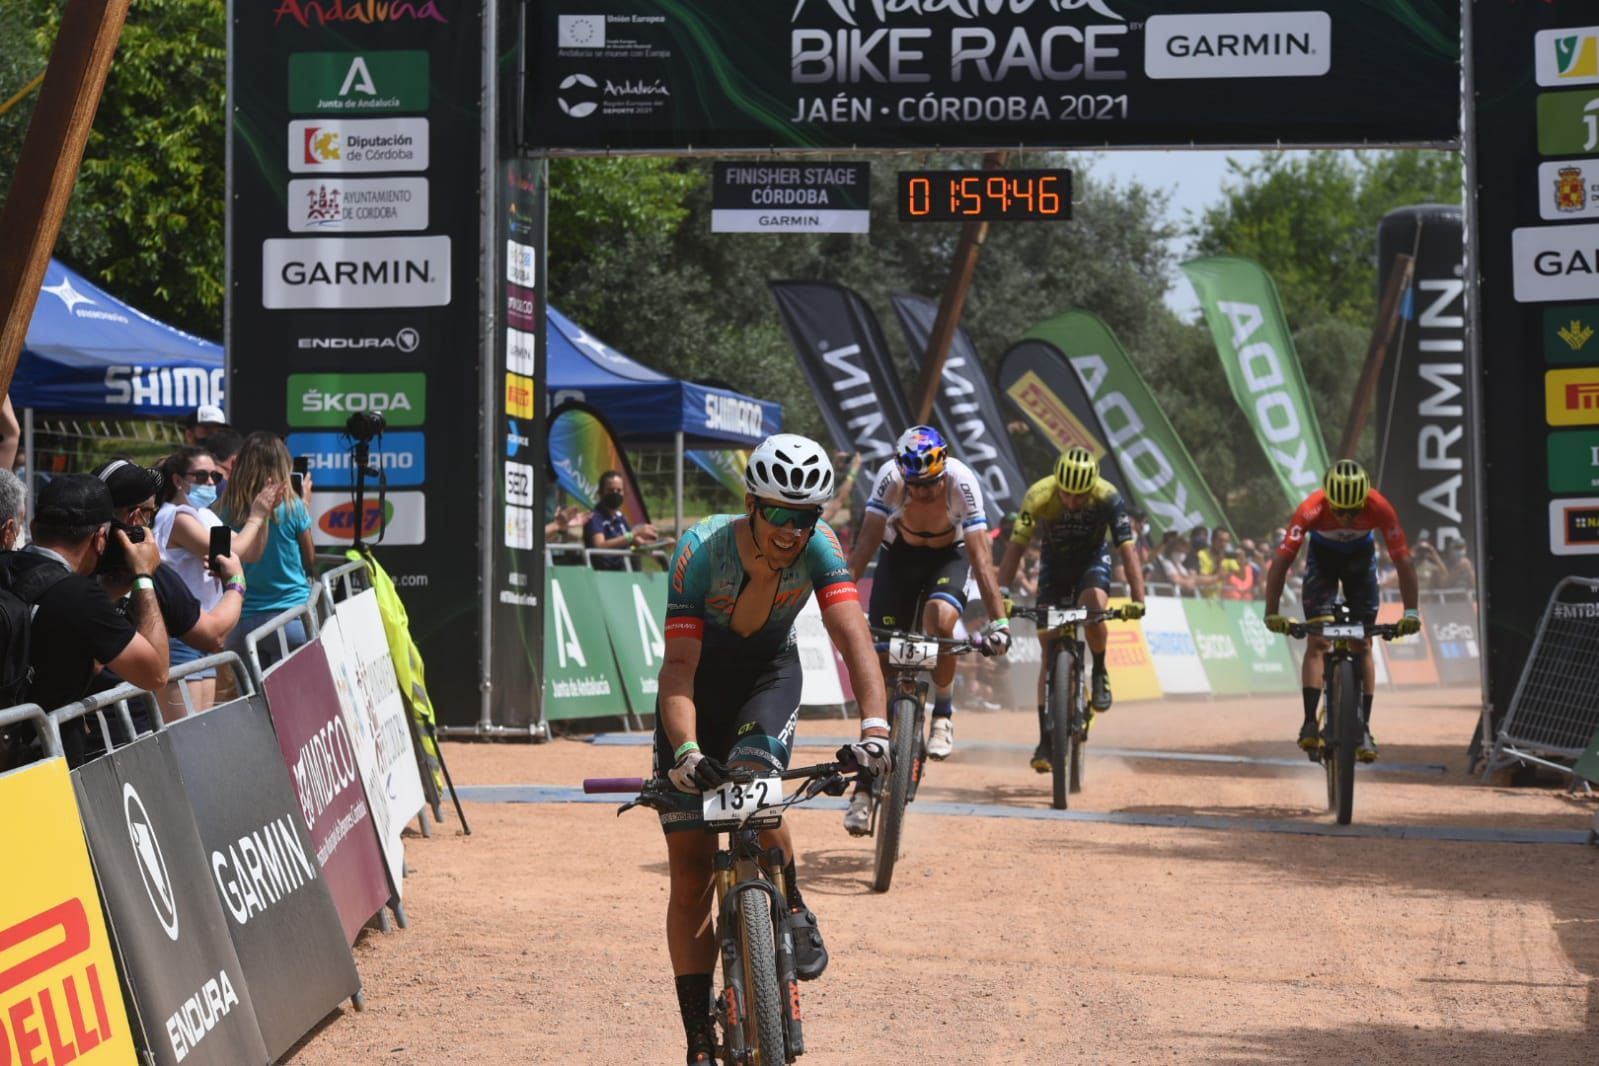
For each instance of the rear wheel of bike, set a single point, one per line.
(1347, 735)
(1078, 742)
(896, 791)
(1063, 695)
(763, 1014)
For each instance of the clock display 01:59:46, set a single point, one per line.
(985, 196)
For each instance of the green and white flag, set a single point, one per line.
(1246, 319)
(1161, 476)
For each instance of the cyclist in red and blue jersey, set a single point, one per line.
(1340, 520)
(729, 689)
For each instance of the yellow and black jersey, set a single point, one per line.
(1071, 534)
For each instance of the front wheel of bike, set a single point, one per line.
(1063, 694)
(1347, 734)
(895, 791)
(763, 1019)
(1079, 742)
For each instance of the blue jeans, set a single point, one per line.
(269, 650)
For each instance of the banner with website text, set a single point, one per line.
(1159, 473)
(1257, 352)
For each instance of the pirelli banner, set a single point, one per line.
(356, 178)
(632, 74)
(60, 1000)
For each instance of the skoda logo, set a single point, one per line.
(152, 864)
(408, 339)
(580, 96)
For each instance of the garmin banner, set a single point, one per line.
(284, 926)
(1160, 474)
(1036, 378)
(845, 358)
(1537, 301)
(356, 178)
(1257, 352)
(632, 74)
(966, 407)
(187, 986)
(792, 197)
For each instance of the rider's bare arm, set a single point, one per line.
(846, 625)
(1280, 565)
(676, 689)
(980, 553)
(1408, 586)
(1009, 565)
(866, 543)
(1135, 572)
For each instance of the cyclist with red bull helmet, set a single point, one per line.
(926, 525)
(1340, 520)
(1078, 513)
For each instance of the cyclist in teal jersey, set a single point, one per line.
(729, 689)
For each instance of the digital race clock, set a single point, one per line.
(985, 195)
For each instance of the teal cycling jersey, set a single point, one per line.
(707, 576)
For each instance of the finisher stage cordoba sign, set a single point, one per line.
(701, 74)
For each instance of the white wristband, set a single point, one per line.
(874, 723)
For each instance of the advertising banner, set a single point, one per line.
(632, 74)
(187, 986)
(59, 992)
(581, 678)
(633, 606)
(583, 448)
(1426, 397)
(1038, 381)
(1270, 663)
(1216, 640)
(726, 465)
(821, 685)
(284, 926)
(967, 409)
(320, 754)
(793, 197)
(1160, 474)
(841, 349)
(375, 690)
(1177, 660)
(1132, 669)
(356, 179)
(1257, 352)
(1410, 659)
(363, 740)
(1452, 628)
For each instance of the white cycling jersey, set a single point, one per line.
(962, 494)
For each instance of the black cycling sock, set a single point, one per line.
(1043, 724)
(1365, 708)
(791, 882)
(694, 1004)
(1312, 697)
(1099, 661)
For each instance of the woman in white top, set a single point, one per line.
(189, 481)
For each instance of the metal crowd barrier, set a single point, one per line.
(629, 555)
(49, 732)
(242, 676)
(277, 628)
(338, 584)
(117, 698)
(1553, 714)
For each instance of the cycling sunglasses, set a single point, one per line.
(801, 518)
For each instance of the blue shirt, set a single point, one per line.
(605, 527)
(278, 580)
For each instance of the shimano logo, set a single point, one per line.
(406, 340)
(732, 415)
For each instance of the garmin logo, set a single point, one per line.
(355, 272)
(846, 10)
(406, 340)
(1272, 44)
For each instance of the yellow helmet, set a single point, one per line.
(1076, 471)
(1347, 485)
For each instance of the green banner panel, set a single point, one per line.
(1266, 657)
(1563, 122)
(1588, 765)
(1568, 334)
(1574, 461)
(330, 399)
(1216, 639)
(633, 605)
(358, 83)
(580, 678)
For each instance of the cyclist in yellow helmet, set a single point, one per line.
(1075, 509)
(1340, 520)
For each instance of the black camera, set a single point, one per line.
(364, 425)
(114, 560)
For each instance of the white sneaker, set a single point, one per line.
(858, 819)
(941, 738)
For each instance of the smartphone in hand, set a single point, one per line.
(221, 544)
(302, 466)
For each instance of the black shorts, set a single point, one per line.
(741, 714)
(1061, 585)
(906, 574)
(1356, 571)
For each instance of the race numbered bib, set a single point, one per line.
(903, 651)
(1344, 632)
(1055, 617)
(738, 802)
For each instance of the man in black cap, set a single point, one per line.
(76, 630)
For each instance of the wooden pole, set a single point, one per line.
(950, 305)
(48, 166)
(1381, 337)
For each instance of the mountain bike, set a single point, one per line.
(1339, 719)
(1066, 690)
(758, 1007)
(911, 656)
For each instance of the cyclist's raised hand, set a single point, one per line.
(868, 753)
(1409, 624)
(996, 636)
(695, 772)
(1277, 623)
(1133, 611)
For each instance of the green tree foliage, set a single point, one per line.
(146, 217)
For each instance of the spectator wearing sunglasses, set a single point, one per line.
(608, 527)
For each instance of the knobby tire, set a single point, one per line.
(1078, 743)
(1348, 735)
(891, 811)
(1063, 693)
(764, 1024)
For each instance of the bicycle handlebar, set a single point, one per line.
(594, 785)
(1385, 630)
(1039, 613)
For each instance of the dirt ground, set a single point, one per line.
(539, 938)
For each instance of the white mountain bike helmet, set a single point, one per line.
(790, 468)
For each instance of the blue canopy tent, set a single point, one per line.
(645, 406)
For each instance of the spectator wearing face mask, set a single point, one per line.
(608, 527)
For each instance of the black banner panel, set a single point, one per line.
(285, 928)
(355, 247)
(709, 74)
(1536, 68)
(186, 983)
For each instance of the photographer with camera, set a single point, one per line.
(280, 579)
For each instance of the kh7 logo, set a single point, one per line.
(340, 521)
